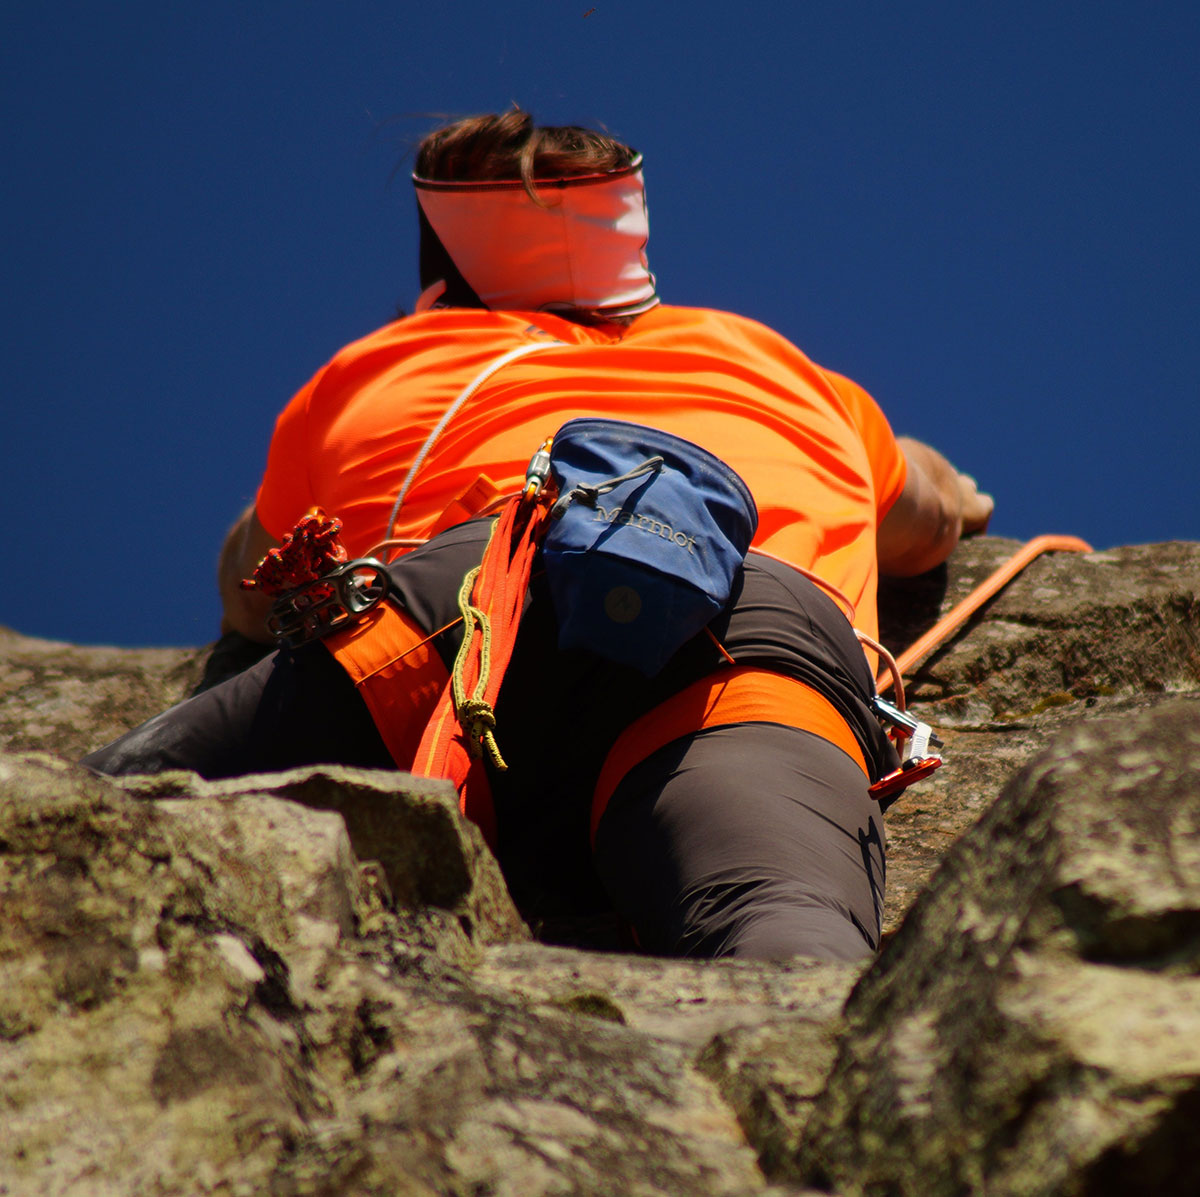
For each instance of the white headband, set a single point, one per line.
(585, 249)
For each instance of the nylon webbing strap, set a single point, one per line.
(742, 694)
(398, 672)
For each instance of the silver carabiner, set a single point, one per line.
(328, 603)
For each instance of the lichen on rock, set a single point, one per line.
(316, 982)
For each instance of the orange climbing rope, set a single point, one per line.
(308, 552)
(991, 586)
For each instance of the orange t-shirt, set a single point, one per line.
(813, 447)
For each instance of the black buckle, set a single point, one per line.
(328, 603)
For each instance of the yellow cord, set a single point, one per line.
(475, 714)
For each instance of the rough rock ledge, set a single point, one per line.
(315, 982)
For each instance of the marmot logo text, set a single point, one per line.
(646, 523)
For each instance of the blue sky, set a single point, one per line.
(985, 213)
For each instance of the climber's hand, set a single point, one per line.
(977, 506)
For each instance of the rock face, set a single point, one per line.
(315, 982)
(1034, 1026)
(1076, 637)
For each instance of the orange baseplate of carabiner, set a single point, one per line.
(914, 769)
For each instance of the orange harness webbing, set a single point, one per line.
(743, 694)
(375, 652)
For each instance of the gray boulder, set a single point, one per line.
(202, 994)
(315, 982)
(1034, 1026)
(1076, 637)
(69, 699)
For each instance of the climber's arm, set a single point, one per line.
(244, 611)
(936, 507)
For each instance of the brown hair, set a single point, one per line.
(509, 146)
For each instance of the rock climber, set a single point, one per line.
(750, 831)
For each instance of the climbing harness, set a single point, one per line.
(631, 522)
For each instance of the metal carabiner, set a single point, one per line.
(362, 584)
(328, 603)
(538, 472)
(921, 734)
